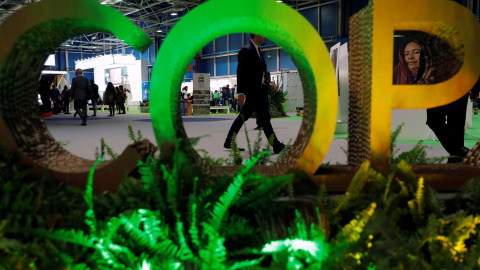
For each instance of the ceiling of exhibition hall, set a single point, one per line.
(154, 17)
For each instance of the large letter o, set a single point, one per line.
(276, 21)
(27, 37)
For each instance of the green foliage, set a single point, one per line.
(63, 143)
(135, 138)
(235, 154)
(277, 97)
(165, 220)
(142, 237)
(417, 155)
(105, 149)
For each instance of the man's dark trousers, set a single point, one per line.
(80, 106)
(448, 124)
(258, 103)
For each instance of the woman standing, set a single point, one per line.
(109, 98)
(447, 121)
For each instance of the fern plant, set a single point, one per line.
(131, 134)
(104, 149)
(143, 237)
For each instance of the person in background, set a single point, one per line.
(54, 96)
(183, 102)
(66, 99)
(216, 98)
(190, 97)
(123, 98)
(109, 98)
(44, 91)
(233, 102)
(117, 99)
(94, 97)
(80, 89)
(225, 95)
(253, 81)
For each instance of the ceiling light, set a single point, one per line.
(159, 31)
(173, 14)
(279, 1)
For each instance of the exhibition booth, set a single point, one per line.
(119, 69)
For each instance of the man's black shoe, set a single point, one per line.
(258, 128)
(464, 151)
(228, 146)
(277, 148)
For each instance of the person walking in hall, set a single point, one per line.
(109, 98)
(94, 97)
(80, 94)
(54, 96)
(123, 98)
(66, 99)
(253, 81)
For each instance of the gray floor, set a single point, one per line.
(83, 140)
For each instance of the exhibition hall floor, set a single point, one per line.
(83, 140)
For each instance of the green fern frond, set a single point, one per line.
(184, 251)
(235, 155)
(171, 188)
(107, 148)
(233, 190)
(361, 177)
(267, 188)
(407, 171)
(351, 232)
(393, 138)
(69, 236)
(285, 150)
(214, 254)
(90, 219)
(246, 264)
(151, 185)
(257, 144)
(131, 134)
(193, 230)
(80, 266)
(225, 201)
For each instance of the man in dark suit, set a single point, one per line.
(80, 95)
(253, 81)
(95, 97)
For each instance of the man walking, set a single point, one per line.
(253, 81)
(80, 94)
(95, 97)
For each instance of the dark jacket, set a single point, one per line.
(80, 88)
(250, 70)
(95, 91)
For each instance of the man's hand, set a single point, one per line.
(473, 96)
(241, 99)
(273, 86)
